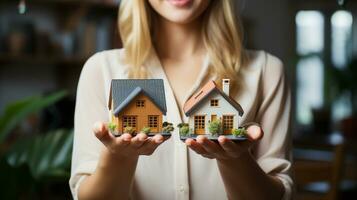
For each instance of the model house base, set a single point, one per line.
(215, 138)
(165, 135)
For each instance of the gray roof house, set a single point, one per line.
(123, 91)
(138, 104)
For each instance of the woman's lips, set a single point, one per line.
(180, 3)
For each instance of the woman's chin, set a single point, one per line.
(182, 20)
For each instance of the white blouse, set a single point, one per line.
(174, 171)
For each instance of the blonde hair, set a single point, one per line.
(221, 31)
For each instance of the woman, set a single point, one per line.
(186, 43)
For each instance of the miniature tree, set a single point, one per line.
(129, 130)
(214, 127)
(240, 132)
(182, 124)
(165, 124)
(184, 129)
(112, 127)
(167, 127)
(146, 130)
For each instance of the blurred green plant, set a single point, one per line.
(31, 162)
(239, 132)
(184, 129)
(18, 111)
(129, 129)
(167, 127)
(47, 156)
(112, 126)
(215, 126)
(146, 130)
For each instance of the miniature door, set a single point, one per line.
(200, 123)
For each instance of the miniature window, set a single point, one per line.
(129, 121)
(140, 103)
(227, 122)
(214, 102)
(199, 122)
(153, 121)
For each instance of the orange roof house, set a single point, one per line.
(137, 103)
(211, 103)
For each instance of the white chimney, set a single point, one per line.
(225, 86)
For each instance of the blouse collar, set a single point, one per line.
(156, 70)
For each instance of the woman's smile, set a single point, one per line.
(180, 3)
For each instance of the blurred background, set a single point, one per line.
(44, 44)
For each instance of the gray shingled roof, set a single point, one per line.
(123, 91)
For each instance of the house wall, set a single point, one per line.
(141, 113)
(224, 108)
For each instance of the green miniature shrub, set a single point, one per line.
(146, 130)
(167, 127)
(112, 126)
(240, 132)
(214, 127)
(165, 124)
(180, 125)
(184, 130)
(129, 130)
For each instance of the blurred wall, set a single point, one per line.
(269, 26)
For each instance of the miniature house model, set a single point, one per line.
(212, 103)
(137, 103)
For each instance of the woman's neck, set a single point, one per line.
(178, 41)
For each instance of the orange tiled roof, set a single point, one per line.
(210, 86)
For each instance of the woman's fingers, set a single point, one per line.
(211, 147)
(158, 138)
(255, 133)
(225, 148)
(139, 140)
(232, 149)
(228, 145)
(195, 146)
(124, 140)
(151, 144)
(101, 132)
(126, 144)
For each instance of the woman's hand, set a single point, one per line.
(238, 168)
(127, 146)
(225, 148)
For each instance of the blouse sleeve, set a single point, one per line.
(91, 107)
(273, 152)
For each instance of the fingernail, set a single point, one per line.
(159, 140)
(126, 138)
(188, 142)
